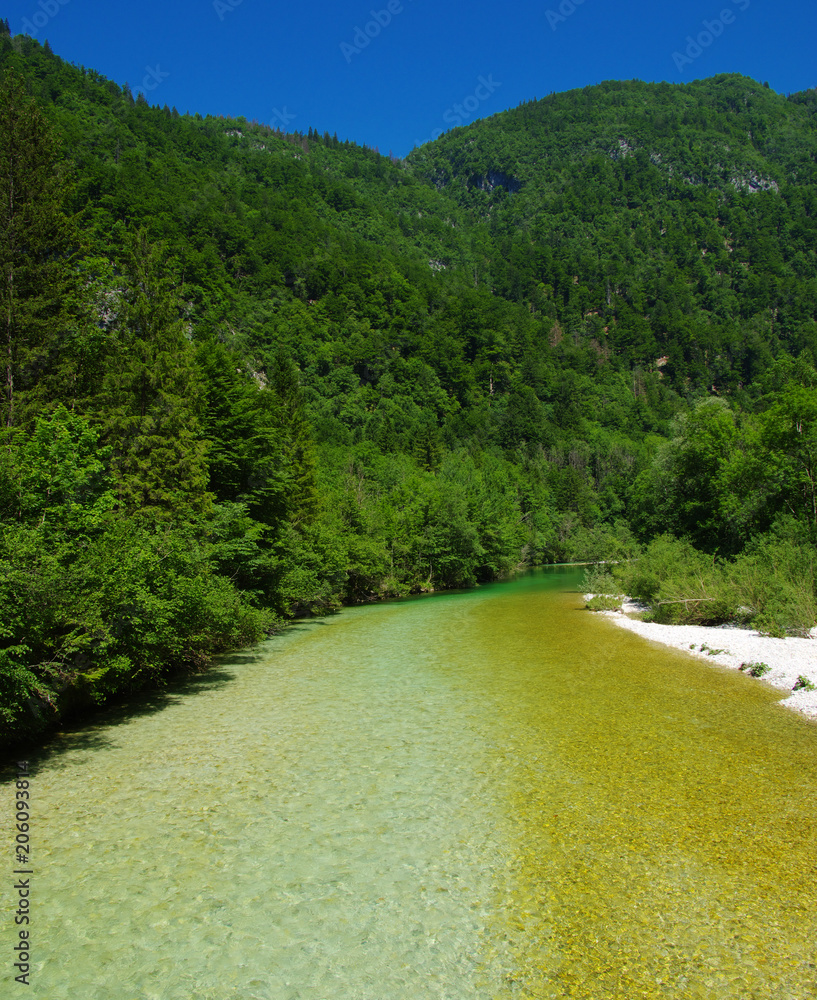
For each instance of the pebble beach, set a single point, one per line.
(788, 659)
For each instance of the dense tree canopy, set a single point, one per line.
(251, 374)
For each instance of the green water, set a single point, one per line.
(490, 795)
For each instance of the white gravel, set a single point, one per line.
(788, 658)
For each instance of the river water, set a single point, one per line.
(490, 794)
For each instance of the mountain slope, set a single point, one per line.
(675, 222)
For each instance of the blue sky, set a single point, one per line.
(394, 74)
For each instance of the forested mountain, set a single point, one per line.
(251, 374)
(672, 222)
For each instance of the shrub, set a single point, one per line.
(756, 669)
(770, 625)
(604, 602)
(107, 616)
(599, 580)
(771, 586)
(682, 584)
(774, 583)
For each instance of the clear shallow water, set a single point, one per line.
(490, 795)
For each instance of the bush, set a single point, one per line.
(770, 587)
(600, 580)
(602, 542)
(774, 583)
(93, 618)
(682, 585)
(755, 669)
(604, 602)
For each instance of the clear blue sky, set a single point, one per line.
(295, 65)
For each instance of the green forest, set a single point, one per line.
(251, 376)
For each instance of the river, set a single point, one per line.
(490, 794)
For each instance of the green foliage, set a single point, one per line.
(603, 602)
(771, 586)
(57, 477)
(600, 580)
(259, 374)
(774, 580)
(40, 294)
(681, 584)
(803, 684)
(726, 476)
(112, 613)
(755, 669)
(148, 399)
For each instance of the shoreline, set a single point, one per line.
(788, 658)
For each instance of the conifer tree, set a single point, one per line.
(150, 396)
(294, 437)
(40, 289)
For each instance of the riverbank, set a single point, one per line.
(788, 659)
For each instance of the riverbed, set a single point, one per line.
(488, 794)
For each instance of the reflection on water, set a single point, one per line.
(489, 795)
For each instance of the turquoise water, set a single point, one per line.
(491, 794)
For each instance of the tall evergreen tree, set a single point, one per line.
(294, 435)
(40, 288)
(150, 395)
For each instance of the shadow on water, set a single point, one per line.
(100, 732)
(95, 729)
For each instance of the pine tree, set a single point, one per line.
(294, 437)
(150, 396)
(40, 290)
